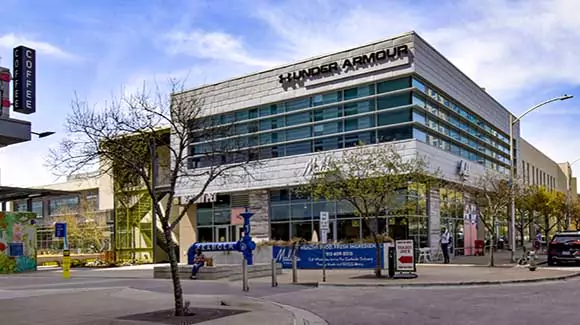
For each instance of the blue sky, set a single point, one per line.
(523, 52)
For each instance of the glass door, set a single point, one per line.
(222, 234)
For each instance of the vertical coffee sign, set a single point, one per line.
(24, 80)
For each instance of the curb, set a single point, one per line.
(301, 316)
(449, 284)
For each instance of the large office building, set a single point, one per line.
(399, 90)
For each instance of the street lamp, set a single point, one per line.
(512, 169)
(43, 134)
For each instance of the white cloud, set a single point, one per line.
(12, 40)
(215, 46)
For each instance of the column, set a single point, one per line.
(260, 206)
(434, 218)
(187, 231)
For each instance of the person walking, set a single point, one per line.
(445, 238)
(198, 263)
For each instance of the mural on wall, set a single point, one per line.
(17, 242)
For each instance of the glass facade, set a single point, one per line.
(453, 128)
(292, 216)
(390, 110)
(371, 113)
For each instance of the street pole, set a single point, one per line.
(512, 231)
(513, 171)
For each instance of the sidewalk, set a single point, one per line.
(120, 305)
(501, 258)
(428, 275)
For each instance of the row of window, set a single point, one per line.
(463, 152)
(458, 109)
(313, 101)
(535, 176)
(308, 146)
(386, 118)
(88, 201)
(454, 134)
(446, 116)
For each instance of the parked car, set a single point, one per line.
(564, 248)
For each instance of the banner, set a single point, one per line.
(337, 256)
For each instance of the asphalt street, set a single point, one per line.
(530, 304)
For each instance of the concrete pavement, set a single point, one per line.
(430, 275)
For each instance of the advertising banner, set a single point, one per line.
(337, 256)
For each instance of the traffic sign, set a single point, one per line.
(405, 256)
(324, 226)
(324, 221)
(60, 230)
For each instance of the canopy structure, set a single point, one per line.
(9, 193)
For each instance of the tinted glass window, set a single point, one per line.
(393, 101)
(361, 91)
(391, 85)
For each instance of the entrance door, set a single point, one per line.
(222, 234)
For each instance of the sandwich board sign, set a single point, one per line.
(405, 256)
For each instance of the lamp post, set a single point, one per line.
(512, 170)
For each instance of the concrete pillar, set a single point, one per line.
(187, 231)
(260, 205)
(434, 217)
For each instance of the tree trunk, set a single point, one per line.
(522, 232)
(377, 256)
(177, 290)
(491, 255)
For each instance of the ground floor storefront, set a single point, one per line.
(283, 215)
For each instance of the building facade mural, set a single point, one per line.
(17, 242)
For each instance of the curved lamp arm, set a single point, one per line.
(564, 97)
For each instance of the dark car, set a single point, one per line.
(564, 248)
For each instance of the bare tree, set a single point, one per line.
(491, 194)
(123, 137)
(373, 179)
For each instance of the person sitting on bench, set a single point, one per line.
(198, 262)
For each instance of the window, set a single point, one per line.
(298, 133)
(241, 115)
(280, 231)
(325, 144)
(392, 85)
(327, 128)
(326, 113)
(271, 110)
(352, 140)
(419, 101)
(64, 205)
(393, 134)
(297, 104)
(393, 101)
(297, 119)
(298, 148)
(359, 123)
(328, 98)
(92, 200)
(358, 92)
(418, 84)
(271, 152)
(419, 117)
(419, 135)
(273, 137)
(280, 212)
(359, 107)
(394, 117)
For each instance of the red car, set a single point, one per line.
(564, 248)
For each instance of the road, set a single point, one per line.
(530, 304)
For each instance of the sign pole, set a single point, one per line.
(324, 227)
